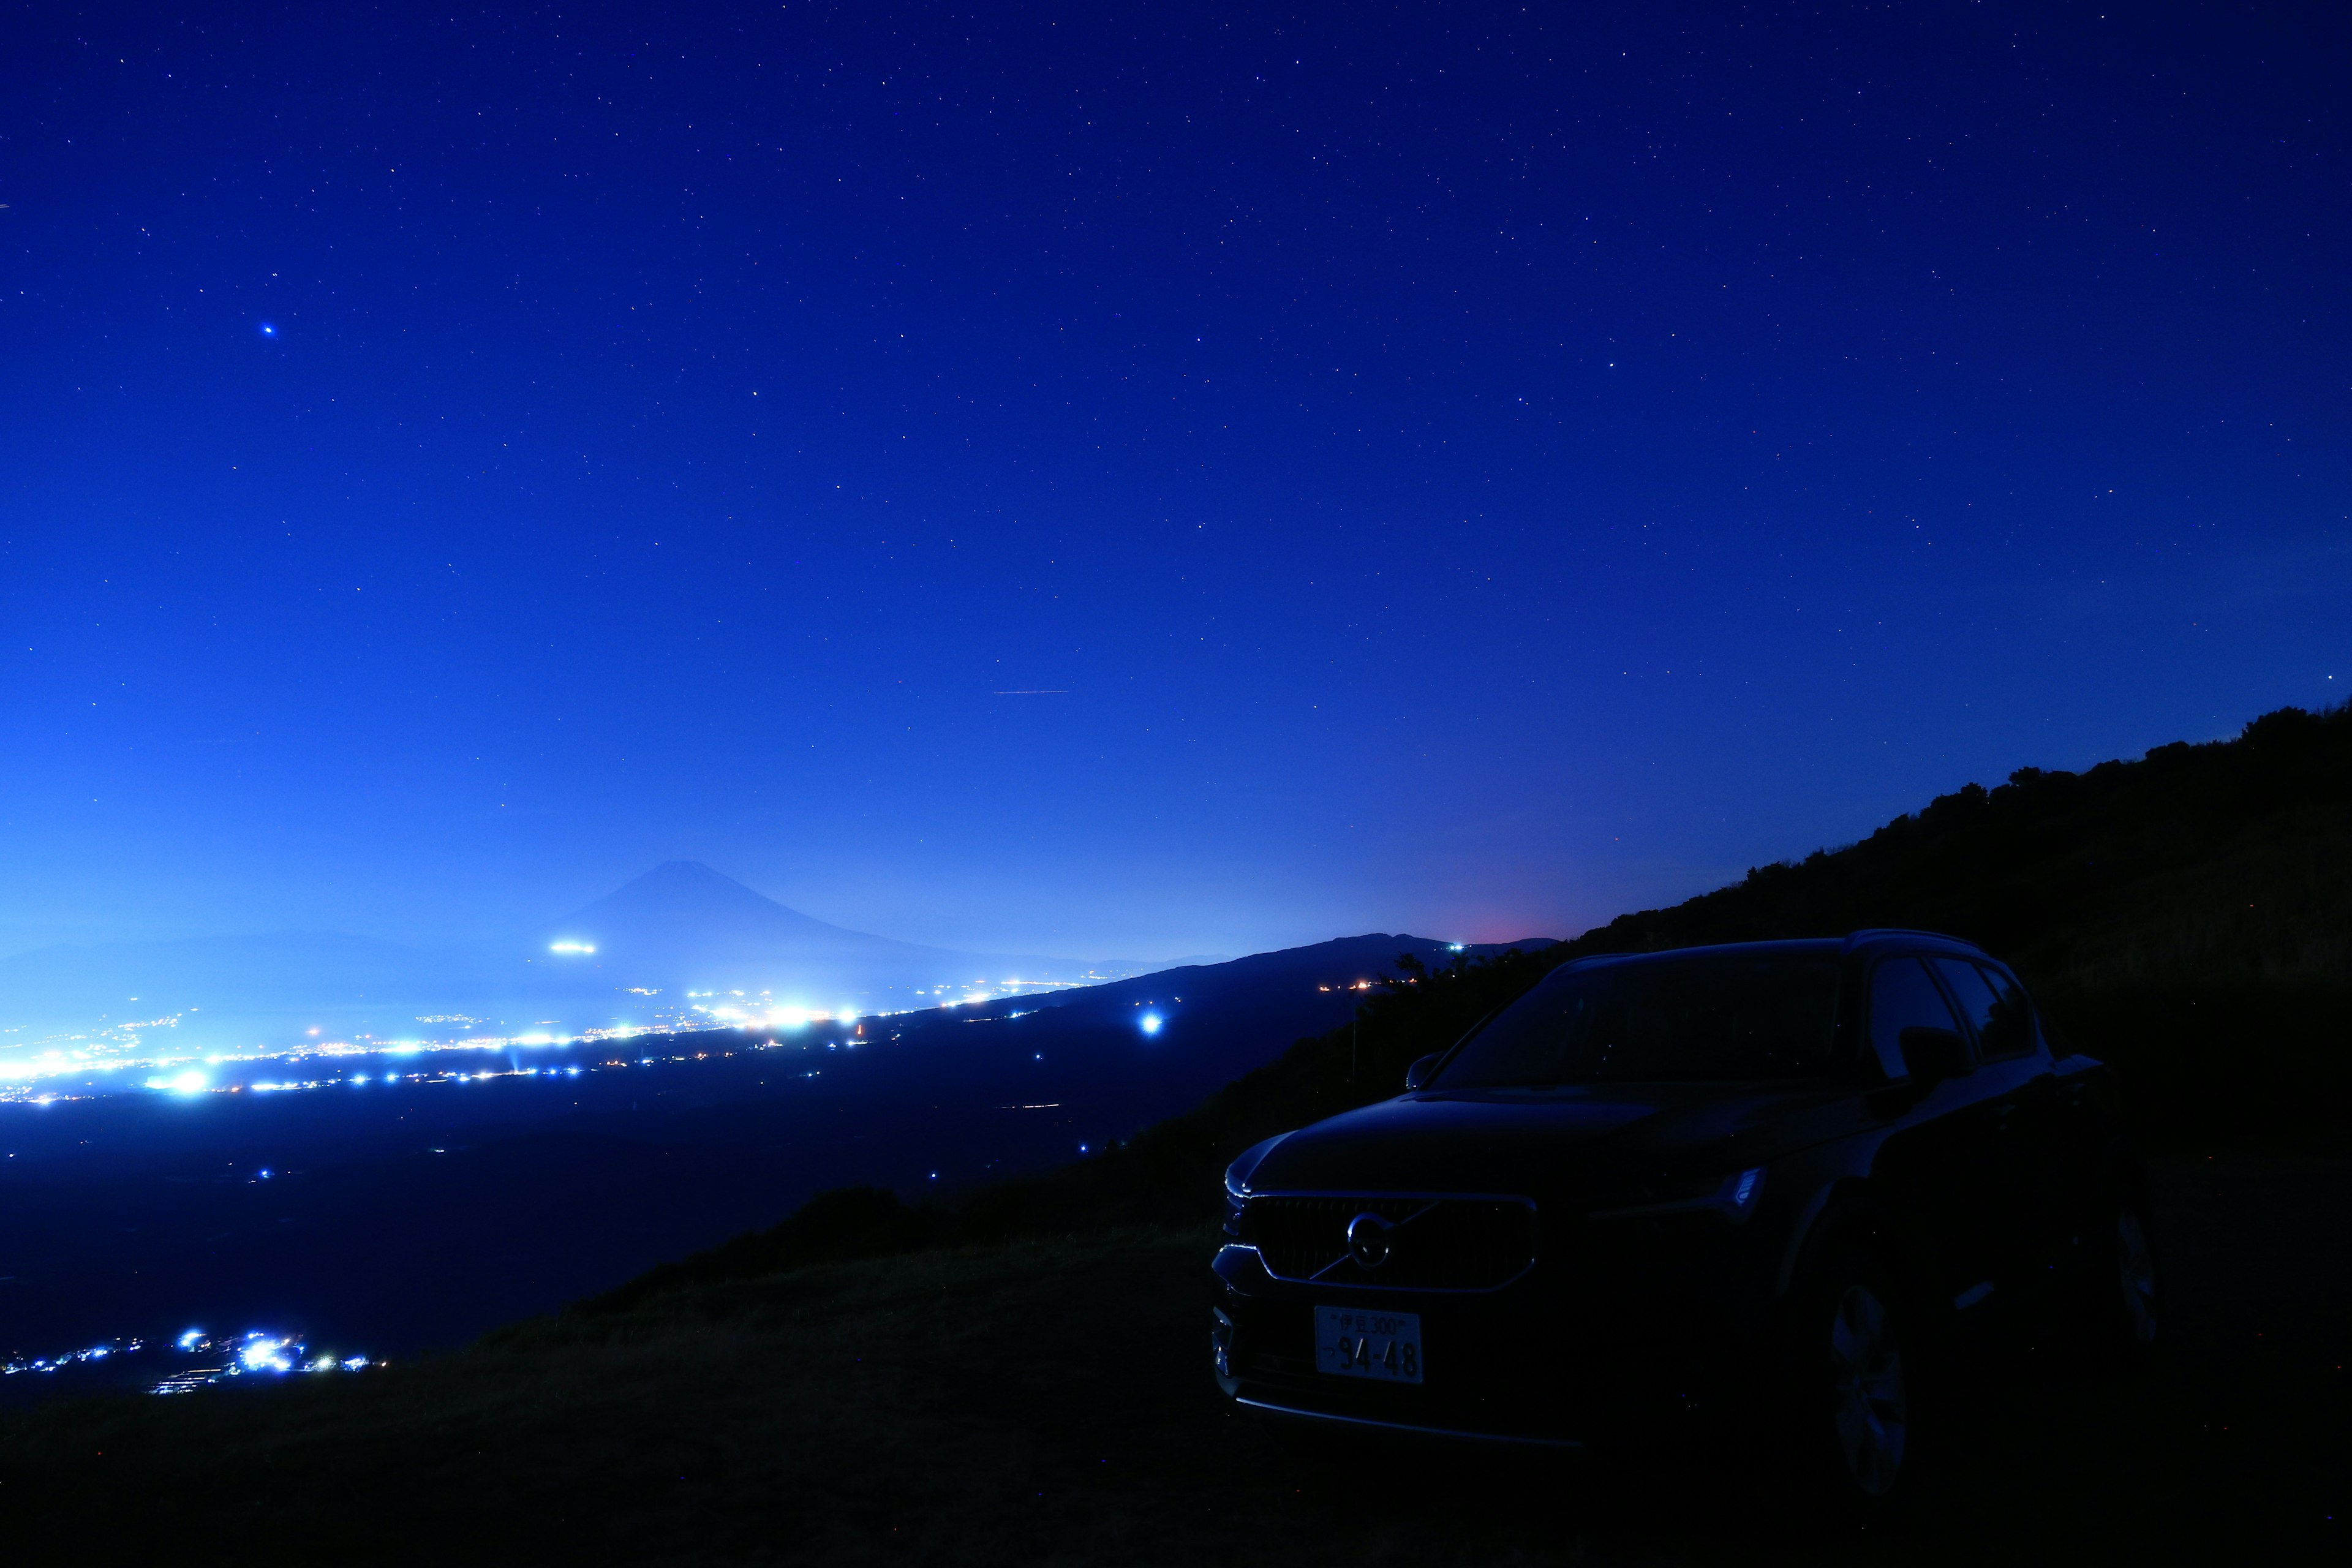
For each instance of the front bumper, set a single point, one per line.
(1301, 1413)
(1652, 1343)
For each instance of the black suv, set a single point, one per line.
(1771, 1178)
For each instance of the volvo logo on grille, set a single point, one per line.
(1368, 1240)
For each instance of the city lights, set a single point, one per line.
(132, 1055)
(195, 1358)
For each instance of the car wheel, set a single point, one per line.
(2125, 1288)
(1855, 1357)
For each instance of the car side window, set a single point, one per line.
(1902, 996)
(2009, 1031)
(2003, 1027)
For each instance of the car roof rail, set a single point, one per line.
(1854, 939)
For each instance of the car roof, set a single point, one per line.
(1896, 938)
(1869, 941)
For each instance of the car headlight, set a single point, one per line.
(1238, 1179)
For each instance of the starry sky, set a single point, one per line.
(1138, 478)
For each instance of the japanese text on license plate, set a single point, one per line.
(1352, 1342)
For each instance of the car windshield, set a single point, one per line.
(1720, 1015)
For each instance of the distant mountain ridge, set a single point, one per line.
(682, 927)
(681, 898)
(705, 927)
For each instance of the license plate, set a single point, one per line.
(1351, 1342)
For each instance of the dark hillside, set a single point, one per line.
(2226, 863)
(2188, 916)
(1049, 1402)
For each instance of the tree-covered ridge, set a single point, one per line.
(2197, 865)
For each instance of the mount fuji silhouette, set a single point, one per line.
(684, 924)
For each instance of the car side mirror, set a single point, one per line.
(1422, 1071)
(1933, 1055)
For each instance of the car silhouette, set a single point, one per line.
(1772, 1180)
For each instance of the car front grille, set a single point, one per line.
(1436, 1243)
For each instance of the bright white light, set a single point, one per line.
(790, 1017)
(571, 947)
(353, 1362)
(189, 1082)
(188, 1340)
(1150, 1023)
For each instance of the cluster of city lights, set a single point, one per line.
(105, 1062)
(33, 1079)
(70, 1358)
(195, 1083)
(255, 1352)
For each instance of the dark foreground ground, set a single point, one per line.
(1047, 1403)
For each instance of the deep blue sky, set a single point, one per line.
(1465, 469)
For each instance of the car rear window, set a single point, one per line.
(1716, 1015)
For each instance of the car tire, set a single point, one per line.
(2124, 1302)
(1854, 1361)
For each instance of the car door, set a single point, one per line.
(2030, 1175)
(1937, 1160)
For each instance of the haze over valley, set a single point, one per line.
(682, 946)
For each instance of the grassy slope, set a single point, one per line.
(1047, 1401)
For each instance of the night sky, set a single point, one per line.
(1137, 479)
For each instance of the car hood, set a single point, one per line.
(1587, 1142)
